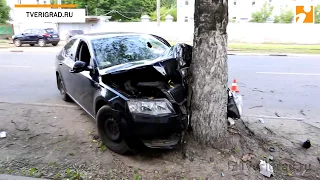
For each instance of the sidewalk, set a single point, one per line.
(11, 177)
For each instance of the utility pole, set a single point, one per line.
(158, 12)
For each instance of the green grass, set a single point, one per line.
(275, 48)
(271, 48)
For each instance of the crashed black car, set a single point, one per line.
(134, 85)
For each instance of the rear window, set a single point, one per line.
(50, 31)
(76, 31)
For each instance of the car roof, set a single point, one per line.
(92, 36)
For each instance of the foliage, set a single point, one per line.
(317, 14)
(263, 14)
(164, 11)
(4, 12)
(285, 16)
(121, 10)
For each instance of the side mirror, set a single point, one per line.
(80, 66)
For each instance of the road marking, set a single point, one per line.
(44, 104)
(273, 117)
(14, 66)
(282, 73)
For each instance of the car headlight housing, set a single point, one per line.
(150, 106)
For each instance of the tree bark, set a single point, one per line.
(209, 72)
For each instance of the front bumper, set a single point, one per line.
(158, 131)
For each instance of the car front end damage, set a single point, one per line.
(157, 106)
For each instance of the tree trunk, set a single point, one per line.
(209, 72)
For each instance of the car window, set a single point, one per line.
(36, 31)
(50, 30)
(111, 51)
(68, 48)
(27, 31)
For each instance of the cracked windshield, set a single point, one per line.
(159, 89)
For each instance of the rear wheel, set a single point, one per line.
(31, 44)
(42, 42)
(17, 42)
(111, 128)
(54, 44)
(62, 90)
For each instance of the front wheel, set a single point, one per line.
(31, 44)
(54, 44)
(62, 89)
(111, 130)
(17, 42)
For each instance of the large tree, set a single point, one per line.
(209, 72)
(4, 12)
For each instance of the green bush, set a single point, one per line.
(164, 11)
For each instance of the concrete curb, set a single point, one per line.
(10, 177)
(265, 54)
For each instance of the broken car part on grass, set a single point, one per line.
(134, 85)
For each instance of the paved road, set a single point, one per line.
(282, 85)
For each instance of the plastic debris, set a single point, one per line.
(272, 149)
(270, 158)
(231, 121)
(261, 120)
(266, 169)
(222, 174)
(3, 134)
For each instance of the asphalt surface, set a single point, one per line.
(272, 86)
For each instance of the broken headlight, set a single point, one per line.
(150, 106)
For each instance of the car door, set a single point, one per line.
(86, 82)
(67, 63)
(35, 34)
(25, 36)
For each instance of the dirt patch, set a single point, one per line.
(61, 142)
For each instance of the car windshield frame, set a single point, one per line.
(137, 48)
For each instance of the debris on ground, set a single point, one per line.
(318, 159)
(301, 111)
(266, 169)
(231, 121)
(3, 134)
(246, 157)
(306, 144)
(277, 114)
(270, 158)
(261, 120)
(256, 107)
(272, 149)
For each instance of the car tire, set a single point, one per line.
(17, 42)
(31, 44)
(62, 89)
(54, 44)
(42, 43)
(107, 121)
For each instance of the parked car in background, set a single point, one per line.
(71, 33)
(42, 37)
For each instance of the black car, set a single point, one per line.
(134, 85)
(72, 33)
(42, 37)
